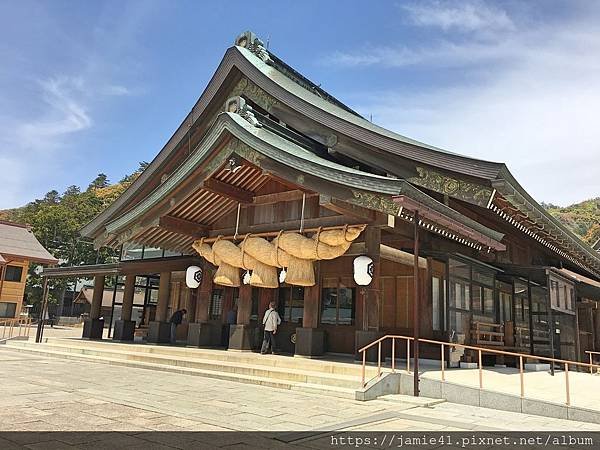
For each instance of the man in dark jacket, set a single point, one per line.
(176, 319)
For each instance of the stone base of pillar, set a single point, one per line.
(310, 342)
(362, 338)
(159, 333)
(124, 330)
(241, 337)
(93, 328)
(204, 335)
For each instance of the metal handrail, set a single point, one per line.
(522, 357)
(592, 353)
(17, 327)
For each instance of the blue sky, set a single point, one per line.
(93, 86)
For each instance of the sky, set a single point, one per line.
(90, 87)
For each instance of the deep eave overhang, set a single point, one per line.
(270, 146)
(312, 106)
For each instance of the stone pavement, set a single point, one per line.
(46, 394)
(584, 387)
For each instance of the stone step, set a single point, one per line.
(345, 367)
(411, 400)
(297, 375)
(335, 391)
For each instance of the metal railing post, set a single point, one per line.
(443, 364)
(591, 365)
(480, 372)
(567, 384)
(521, 376)
(379, 359)
(393, 354)
(408, 355)
(364, 352)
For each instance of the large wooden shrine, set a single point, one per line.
(273, 188)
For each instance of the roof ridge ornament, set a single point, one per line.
(250, 41)
(238, 105)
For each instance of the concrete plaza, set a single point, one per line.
(45, 394)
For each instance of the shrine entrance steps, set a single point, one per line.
(338, 378)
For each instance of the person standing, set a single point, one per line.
(176, 319)
(271, 321)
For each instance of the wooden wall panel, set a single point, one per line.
(12, 291)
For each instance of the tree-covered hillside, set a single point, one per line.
(57, 218)
(582, 218)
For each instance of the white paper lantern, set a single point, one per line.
(363, 270)
(193, 277)
(246, 278)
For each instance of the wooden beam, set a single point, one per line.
(156, 265)
(288, 225)
(181, 226)
(347, 209)
(228, 190)
(285, 196)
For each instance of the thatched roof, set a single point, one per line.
(17, 241)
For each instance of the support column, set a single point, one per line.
(125, 328)
(310, 340)
(94, 325)
(596, 328)
(417, 307)
(368, 296)
(159, 331)
(241, 335)
(202, 333)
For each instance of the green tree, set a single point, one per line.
(101, 181)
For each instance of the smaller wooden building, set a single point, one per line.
(18, 248)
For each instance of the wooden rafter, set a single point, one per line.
(228, 190)
(181, 226)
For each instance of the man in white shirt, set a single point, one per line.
(270, 321)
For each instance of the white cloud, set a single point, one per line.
(116, 90)
(44, 120)
(29, 147)
(460, 16)
(530, 99)
(445, 54)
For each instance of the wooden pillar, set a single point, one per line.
(125, 328)
(159, 331)
(203, 294)
(191, 302)
(367, 320)
(93, 327)
(127, 306)
(310, 317)
(201, 333)
(164, 289)
(96, 307)
(244, 310)
(371, 320)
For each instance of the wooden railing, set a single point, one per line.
(12, 328)
(522, 357)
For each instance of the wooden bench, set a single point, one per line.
(487, 334)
